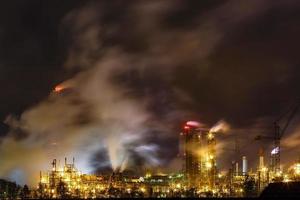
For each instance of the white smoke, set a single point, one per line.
(220, 126)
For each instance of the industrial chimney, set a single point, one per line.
(245, 167)
(236, 168)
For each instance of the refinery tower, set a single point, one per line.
(197, 149)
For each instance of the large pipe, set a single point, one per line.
(245, 167)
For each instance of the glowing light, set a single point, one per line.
(44, 180)
(275, 151)
(193, 123)
(59, 88)
(208, 165)
(297, 169)
(278, 174)
(210, 135)
(286, 178)
(264, 169)
(148, 175)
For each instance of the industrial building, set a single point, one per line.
(198, 150)
(199, 177)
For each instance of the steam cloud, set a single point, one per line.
(109, 105)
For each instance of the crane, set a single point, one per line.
(278, 133)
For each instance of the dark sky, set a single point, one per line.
(245, 70)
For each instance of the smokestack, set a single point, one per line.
(236, 168)
(261, 159)
(245, 167)
(73, 161)
(65, 161)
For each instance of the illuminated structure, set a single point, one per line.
(262, 172)
(192, 144)
(199, 153)
(67, 181)
(211, 163)
(199, 178)
(245, 166)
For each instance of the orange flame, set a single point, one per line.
(59, 88)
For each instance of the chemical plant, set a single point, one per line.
(199, 177)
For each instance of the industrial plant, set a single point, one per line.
(199, 176)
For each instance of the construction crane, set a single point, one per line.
(278, 133)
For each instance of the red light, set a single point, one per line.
(186, 127)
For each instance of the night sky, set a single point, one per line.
(158, 63)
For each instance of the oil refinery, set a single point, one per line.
(199, 176)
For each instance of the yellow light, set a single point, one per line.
(142, 189)
(264, 169)
(208, 165)
(210, 135)
(220, 175)
(178, 185)
(44, 180)
(148, 175)
(297, 168)
(52, 191)
(206, 188)
(278, 174)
